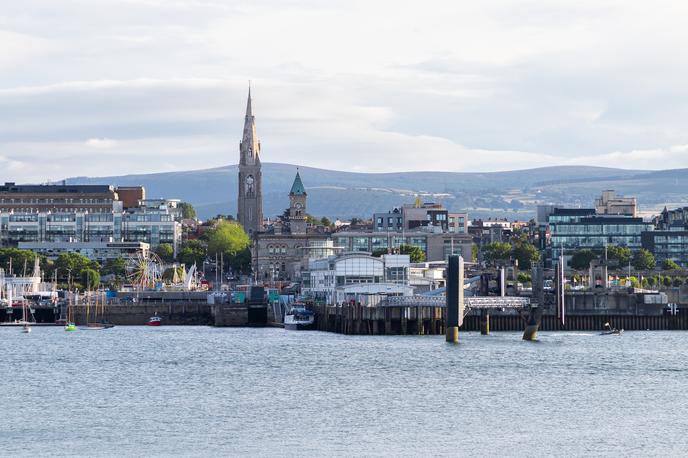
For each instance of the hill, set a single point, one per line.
(336, 194)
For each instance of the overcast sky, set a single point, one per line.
(102, 87)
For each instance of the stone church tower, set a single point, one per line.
(250, 196)
(297, 206)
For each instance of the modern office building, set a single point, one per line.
(436, 246)
(96, 251)
(575, 229)
(150, 225)
(669, 240)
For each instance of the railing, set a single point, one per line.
(484, 302)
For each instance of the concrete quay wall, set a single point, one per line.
(138, 314)
(361, 320)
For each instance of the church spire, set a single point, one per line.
(250, 146)
(249, 111)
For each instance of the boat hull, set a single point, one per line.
(299, 326)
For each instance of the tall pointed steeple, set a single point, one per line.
(250, 146)
(250, 195)
(249, 111)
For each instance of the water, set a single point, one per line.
(199, 391)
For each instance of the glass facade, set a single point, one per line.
(569, 232)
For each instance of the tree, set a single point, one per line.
(643, 260)
(71, 264)
(116, 267)
(325, 221)
(497, 251)
(523, 277)
(677, 281)
(666, 281)
(187, 210)
(415, 253)
(193, 252)
(20, 259)
(525, 252)
(355, 221)
(379, 252)
(165, 251)
(168, 275)
(668, 264)
(621, 254)
(581, 259)
(90, 278)
(634, 282)
(228, 239)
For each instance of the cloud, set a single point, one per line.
(100, 143)
(466, 86)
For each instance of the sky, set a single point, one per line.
(106, 87)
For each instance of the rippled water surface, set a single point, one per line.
(200, 391)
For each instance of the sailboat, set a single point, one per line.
(70, 325)
(26, 328)
(96, 324)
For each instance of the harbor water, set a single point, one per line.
(201, 391)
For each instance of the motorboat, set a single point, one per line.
(299, 318)
(610, 331)
(154, 321)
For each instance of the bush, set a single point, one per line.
(677, 282)
(668, 264)
(667, 281)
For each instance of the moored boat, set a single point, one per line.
(299, 318)
(154, 321)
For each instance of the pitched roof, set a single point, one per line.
(297, 188)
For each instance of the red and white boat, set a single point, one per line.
(154, 321)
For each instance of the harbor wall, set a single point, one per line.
(138, 314)
(362, 320)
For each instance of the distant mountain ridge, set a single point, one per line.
(338, 194)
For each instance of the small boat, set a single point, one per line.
(70, 327)
(299, 318)
(609, 331)
(154, 321)
(26, 328)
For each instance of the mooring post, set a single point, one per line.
(484, 322)
(454, 296)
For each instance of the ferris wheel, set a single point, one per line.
(145, 270)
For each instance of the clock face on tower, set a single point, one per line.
(297, 205)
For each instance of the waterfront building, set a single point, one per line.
(250, 192)
(279, 252)
(150, 225)
(669, 240)
(575, 229)
(67, 198)
(436, 246)
(96, 251)
(667, 245)
(611, 204)
(357, 277)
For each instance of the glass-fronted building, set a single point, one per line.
(578, 231)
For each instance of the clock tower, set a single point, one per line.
(250, 196)
(297, 206)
